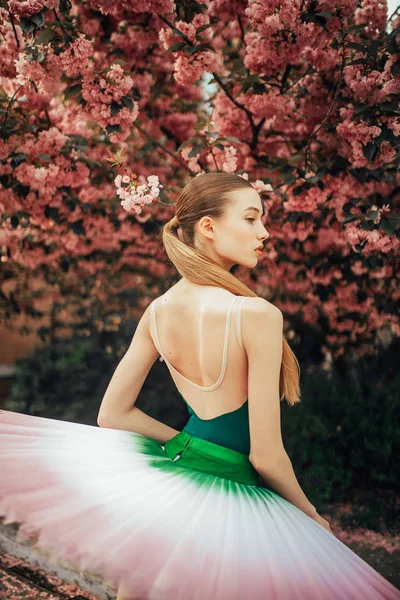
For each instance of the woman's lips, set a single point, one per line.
(258, 251)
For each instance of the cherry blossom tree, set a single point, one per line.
(104, 119)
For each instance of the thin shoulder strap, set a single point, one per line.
(153, 327)
(238, 319)
(157, 344)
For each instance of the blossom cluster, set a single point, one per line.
(188, 68)
(136, 192)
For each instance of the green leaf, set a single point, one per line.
(112, 128)
(367, 225)
(392, 46)
(195, 151)
(72, 90)
(259, 88)
(370, 150)
(230, 139)
(206, 46)
(45, 36)
(14, 221)
(17, 159)
(321, 21)
(349, 219)
(347, 206)
(128, 102)
(191, 49)
(52, 212)
(238, 66)
(204, 27)
(78, 228)
(395, 217)
(300, 188)
(288, 175)
(177, 46)
(389, 107)
(395, 69)
(115, 108)
(389, 227)
(38, 19)
(185, 145)
(33, 23)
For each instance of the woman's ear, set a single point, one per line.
(206, 227)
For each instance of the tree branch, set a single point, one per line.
(164, 148)
(13, 26)
(344, 46)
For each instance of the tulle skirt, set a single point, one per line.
(184, 520)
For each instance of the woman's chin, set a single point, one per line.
(250, 264)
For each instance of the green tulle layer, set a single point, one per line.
(188, 454)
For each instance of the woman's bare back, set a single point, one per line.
(195, 328)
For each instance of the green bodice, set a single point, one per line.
(230, 429)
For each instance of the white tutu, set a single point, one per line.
(115, 503)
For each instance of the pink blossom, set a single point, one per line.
(76, 57)
(141, 6)
(372, 14)
(372, 241)
(100, 92)
(45, 77)
(193, 161)
(366, 87)
(189, 69)
(27, 8)
(135, 195)
(230, 163)
(306, 201)
(277, 35)
(261, 187)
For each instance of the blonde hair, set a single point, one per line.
(207, 194)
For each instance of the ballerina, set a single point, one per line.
(178, 515)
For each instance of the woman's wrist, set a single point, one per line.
(312, 512)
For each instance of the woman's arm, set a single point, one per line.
(117, 410)
(262, 329)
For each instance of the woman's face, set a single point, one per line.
(233, 238)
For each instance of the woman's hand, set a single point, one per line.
(323, 522)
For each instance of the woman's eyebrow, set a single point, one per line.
(254, 208)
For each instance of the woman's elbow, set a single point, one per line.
(103, 420)
(270, 463)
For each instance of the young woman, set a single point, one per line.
(179, 515)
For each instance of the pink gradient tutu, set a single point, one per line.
(164, 521)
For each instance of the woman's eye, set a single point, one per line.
(250, 219)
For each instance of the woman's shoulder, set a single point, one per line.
(257, 304)
(258, 312)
